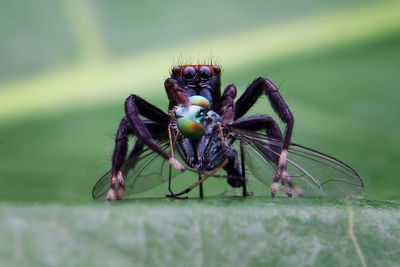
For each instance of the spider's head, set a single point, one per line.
(203, 80)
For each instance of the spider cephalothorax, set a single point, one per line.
(203, 80)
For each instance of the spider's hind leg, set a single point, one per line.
(233, 169)
(272, 130)
(249, 98)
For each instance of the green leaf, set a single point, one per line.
(213, 232)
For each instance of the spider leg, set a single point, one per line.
(247, 100)
(227, 104)
(233, 168)
(135, 106)
(118, 158)
(176, 94)
(251, 95)
(256, 123)
(260, 122)
(145, 131)
(226, 109)
(125, 130)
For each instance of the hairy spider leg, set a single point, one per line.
(247, 100)
(144, 130)
(227, 104)
(261, 122)
(256, 123)
(226, 109)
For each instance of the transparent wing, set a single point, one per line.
(317, 174)
(313, 172)
(141, 173)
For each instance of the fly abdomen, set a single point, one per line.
(185, 149)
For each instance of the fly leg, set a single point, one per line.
(247, 100)
(244, 189)
(230, 164)
(235, 175)
(200, 181)
(201, 192)
(172, 145)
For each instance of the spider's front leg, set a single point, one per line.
(134, 106)
(246, 101)
(132, 124)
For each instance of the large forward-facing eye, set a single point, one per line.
(189, 73)
(205, 72)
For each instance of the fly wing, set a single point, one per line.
(329, 176)
(141, 172)
(313, 172)
(100, 189)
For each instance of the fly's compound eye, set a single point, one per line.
(176, 70)
(189, 73)
(190, 124)
(200, 101)
(190, 129)
(205, 72)
(216, 70)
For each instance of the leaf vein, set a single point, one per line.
(354, 238)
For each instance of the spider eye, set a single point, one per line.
(189, 73)
(216, 70)
(205, 72)
(176, 70)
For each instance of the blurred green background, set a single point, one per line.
(67, 66)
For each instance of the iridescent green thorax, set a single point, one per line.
(191, 119)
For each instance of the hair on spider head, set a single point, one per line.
(184, 61)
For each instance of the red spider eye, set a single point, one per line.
(176, 70)
(216, 70)
(205, 72)
(189, 73)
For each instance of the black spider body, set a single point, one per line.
(212, 136)
(200, 80)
